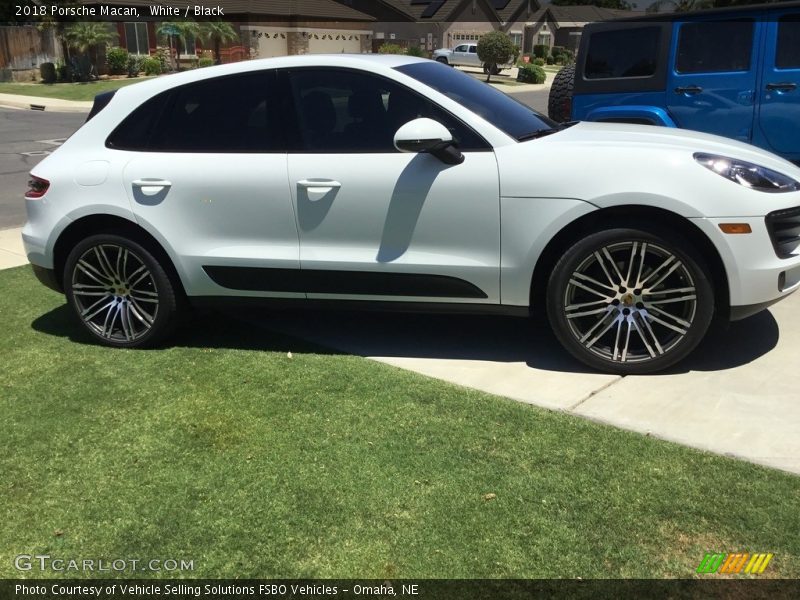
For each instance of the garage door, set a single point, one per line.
(271, 43)
(334, 43)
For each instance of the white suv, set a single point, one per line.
(399, 182)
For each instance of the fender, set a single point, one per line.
(636, 113)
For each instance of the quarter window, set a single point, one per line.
(234, 114)
(715, 46)
(352, 112)
(627, 52)
(787, 53)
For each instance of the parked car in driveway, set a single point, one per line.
(466, 55)
(397, 182)
(732, 72)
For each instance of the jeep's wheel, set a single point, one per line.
(559, 103)
(629, 301)
(119, 291)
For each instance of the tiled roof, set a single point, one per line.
(578, 16)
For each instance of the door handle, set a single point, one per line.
(783, 86)
(689, 89)
(319, 186)
(151, 187)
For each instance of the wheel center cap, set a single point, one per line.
(627, 299)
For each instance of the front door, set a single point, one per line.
(375, 223)
(711, 87)
(779, 110)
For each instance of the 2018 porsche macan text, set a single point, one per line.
(399, 182)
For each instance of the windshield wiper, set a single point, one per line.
(537, 134)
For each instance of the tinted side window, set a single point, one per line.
(234, 114)
(353, 112)
(461, 48)
(787, 53)
(624, 52)
(715, 46)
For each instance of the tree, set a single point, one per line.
(679, 5)
(86, 36)
(495, 48)
(217, 33)
(182, 30)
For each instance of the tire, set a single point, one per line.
(604, 320)
(442, 60)
(119, 292)
(559, 103)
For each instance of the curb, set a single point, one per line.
(43, 104)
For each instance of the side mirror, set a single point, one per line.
(427, 135)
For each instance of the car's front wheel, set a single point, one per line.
(119, 291)
(630, 301)
(443, 60)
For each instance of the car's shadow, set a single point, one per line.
(465, 337)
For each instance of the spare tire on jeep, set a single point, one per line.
(559, 104)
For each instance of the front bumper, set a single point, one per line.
(757, 275)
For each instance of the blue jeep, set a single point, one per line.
(733, 72)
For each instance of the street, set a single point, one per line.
(26, 136)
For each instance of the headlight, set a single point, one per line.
(748, 174)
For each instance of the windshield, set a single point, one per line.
(511, 116)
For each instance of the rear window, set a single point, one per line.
(626, 52)
(787, 54)
(715, 46)
(233, 114)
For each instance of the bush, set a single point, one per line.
(495, 48)
(538, 61)
(541, 50)
(163, 59)
(151, 65)
(416, 51)
(531, 74)
(117, 60)
(550, 60)
(134, 65)
(48, 72)
(205, 62)
(64, 72)
(556, 50)
(391, 49)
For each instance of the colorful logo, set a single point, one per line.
(738, 562)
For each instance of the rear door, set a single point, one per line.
(779, 97)
(472, 57)
(712, 82)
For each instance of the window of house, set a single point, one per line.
(787, 53)
(623, 53)
(516, 38)
(715, 46)
(136, 38)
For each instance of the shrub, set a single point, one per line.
(63, 72)
(151, 65)
(117, 60)
(538, 61)
(163, 59)
(550, 60)
(556, 50)
(205, 62)
(531, 74)
(391, 49)
(416, 51)
(541, 50)
(48, 72)
(134, 65)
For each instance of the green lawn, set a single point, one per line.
(223, 450)
(67, 91)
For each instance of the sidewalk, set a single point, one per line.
(49, 104)
(12, 254)
(511, 75)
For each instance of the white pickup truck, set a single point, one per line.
(466, 55)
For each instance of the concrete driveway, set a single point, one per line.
(738, 394)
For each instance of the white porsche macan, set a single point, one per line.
(390, 181)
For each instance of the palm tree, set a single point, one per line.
(87, 35)
(679, 5)
(217, 33)
(182, 30)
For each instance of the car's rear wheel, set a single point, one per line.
(119, 291)
(630, 301)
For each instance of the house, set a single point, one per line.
(563, 25)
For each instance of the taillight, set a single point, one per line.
(37, 187)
